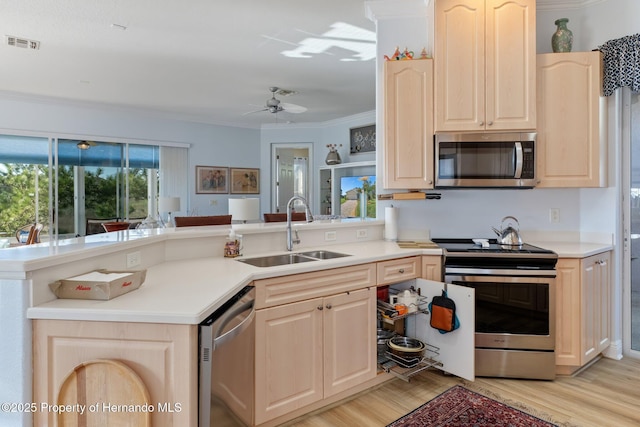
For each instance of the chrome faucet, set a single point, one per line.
(290, 240)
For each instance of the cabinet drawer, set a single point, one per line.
(299, 287)
(397, 270)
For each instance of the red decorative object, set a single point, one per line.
(459, 406)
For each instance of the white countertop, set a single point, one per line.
(573, 249)
(187, 291)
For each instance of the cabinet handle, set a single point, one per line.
(320, 307)
(490, 124)
(481, 123)
(401, 271)
(328, 306)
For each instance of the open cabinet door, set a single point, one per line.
(457, 348)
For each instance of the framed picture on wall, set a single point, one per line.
(212, 180)
(245, 181)
(363, 139)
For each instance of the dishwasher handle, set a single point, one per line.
(220, 339)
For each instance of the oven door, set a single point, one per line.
(512, 312)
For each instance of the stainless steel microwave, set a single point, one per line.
(484, 160)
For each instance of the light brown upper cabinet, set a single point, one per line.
(571, 121)
(408, 152)
(485, 65)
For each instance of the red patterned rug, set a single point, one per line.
(459, 406)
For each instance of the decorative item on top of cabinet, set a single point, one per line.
(572, 141)
(485, 58)
(333, 157)
(408, 115)
(562, 39)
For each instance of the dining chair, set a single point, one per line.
(115, 226)
(29, 234)
(282, 217)
(194, 221)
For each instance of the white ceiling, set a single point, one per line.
(201, 60)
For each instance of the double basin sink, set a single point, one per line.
(291, 258)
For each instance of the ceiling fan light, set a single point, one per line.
(83, 145)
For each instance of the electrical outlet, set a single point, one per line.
(361, 234)
(554, 215)
(329, 235)
(133, 259)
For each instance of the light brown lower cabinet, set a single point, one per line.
(310, 350)
(164, 356)
(583, 310)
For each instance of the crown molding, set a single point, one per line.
(564, 4)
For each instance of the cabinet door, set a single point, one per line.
(596, 303)
(568, 312)
(510, 64)
(603, 332)
(456, 350)
(408, 153)
(459, 61)
(165, 356)
(485, 58)
(432, 267)
(288, 358)
(571, 141)
(349, 340)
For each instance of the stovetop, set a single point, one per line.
(465, 253)
(460, 247)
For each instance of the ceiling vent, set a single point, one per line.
(23, 43)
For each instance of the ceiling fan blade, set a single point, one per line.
(256, 111)
(293, 108)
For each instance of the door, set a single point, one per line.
(632, 225)
(456, 349)
(291, 175)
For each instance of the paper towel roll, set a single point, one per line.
(391, 223)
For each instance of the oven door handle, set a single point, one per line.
(499, 272)
(519, 160)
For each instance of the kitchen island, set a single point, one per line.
(187, 279)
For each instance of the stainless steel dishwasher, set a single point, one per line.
(226, 348)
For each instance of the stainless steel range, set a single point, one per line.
(515, 304)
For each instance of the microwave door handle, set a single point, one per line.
(519, 160)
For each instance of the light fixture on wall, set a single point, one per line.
(244, 209)
(84, 145)
(169, 205)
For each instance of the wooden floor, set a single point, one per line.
(605, 394)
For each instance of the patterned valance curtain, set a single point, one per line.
(621, 64)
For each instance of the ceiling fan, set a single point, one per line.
(273, 104)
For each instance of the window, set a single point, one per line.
(95, 181)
